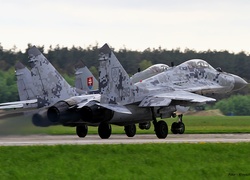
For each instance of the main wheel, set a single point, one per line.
(104, 130)
(181, 128)
(174, 128)
(82, 130)
(130, 130)
(161, 129)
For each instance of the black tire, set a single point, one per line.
(82, 130)
(174, 128)
(130, 130)
(104, 130)
(161, 129)
(181, 128)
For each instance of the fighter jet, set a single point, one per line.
(161, 95)
(35, 92)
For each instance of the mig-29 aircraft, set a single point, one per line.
(161, 95)
(35, 87)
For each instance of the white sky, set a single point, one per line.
(135, 24)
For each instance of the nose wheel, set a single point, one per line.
(178, 127)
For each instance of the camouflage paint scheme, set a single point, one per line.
(175, 86)
(122, 102)
(51, 86)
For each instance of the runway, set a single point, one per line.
(30, 140)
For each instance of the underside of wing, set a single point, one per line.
(165, 99)
(204, 89)
(153, 101)
(116, 108)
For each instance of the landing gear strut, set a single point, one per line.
(178, 127)
(104, 130)
(161, 127)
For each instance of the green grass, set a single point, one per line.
(137, 161)
(217, 124)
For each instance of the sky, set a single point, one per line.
(132, 24)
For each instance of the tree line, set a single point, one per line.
(66, 59)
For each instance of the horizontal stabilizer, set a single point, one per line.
(116, 108)
(13, 106)
(32, 101)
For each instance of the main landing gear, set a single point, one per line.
(130, 130)
(178, 127)
(82, 130)
(104, 130)
(161, 127)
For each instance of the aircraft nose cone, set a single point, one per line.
(239, 83)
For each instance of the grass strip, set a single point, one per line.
(132, 161)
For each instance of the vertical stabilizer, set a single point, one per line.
(51, 85)
(26, 90)
(115, 85)
(85, 80)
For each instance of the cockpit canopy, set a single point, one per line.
(196, 63)
(157, 68)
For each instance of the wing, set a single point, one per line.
(204, 89)
(164, 99)
(16, 104)
(116, 108)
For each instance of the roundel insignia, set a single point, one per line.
(90, 82)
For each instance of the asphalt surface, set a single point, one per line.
(120, 139)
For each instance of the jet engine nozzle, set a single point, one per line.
(40, 119)
(57, 112)
(93, 113)
(53, 114)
